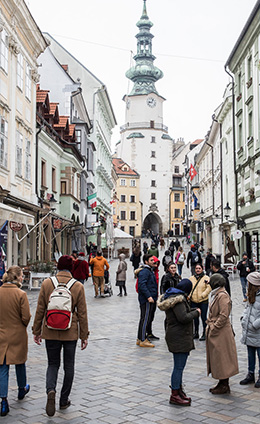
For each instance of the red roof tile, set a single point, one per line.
(41, 95)
(63, 122)
(118, 164)
(198, 141)
(53, 107)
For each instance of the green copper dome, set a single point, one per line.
(144, 74)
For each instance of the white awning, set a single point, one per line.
(7, 213)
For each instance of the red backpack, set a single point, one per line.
(59, 309)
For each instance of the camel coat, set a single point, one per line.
(220, 342)
(79, 325)
(14, 318)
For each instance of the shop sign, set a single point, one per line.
(15, 226)
(57, 224)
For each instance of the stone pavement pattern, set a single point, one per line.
(119, 382)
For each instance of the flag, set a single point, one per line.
(192, 172)
(195, 199)
(112, 201)
(92, 200)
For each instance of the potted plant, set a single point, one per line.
(39, 271)
(251, 192)
(241, 201)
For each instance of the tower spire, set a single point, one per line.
(144, 74)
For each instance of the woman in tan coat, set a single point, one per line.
(199, 298)
(220, 342)
(14, 318)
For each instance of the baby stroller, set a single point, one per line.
(108, 286)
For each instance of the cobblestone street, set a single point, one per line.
(119, 382)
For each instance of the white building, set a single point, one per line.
(21, 42)
(145, 144)
(103, 120)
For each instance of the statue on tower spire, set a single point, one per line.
(144, 74)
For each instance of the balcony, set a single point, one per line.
(143, 125)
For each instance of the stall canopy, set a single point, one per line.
(7, 213)
(119, 234)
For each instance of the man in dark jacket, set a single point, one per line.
(245, 266)
(209, 258)
(216, 269)
(147, 297)
(194, 258)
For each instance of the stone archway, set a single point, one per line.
(153, 222)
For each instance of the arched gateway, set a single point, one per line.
(153, 222)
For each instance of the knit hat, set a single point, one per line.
(185, 285)
(217, 280)
(81, 254)
(65, 262)
(254, 278)
(244, 254)
(192, 245)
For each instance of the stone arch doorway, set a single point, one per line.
(153, 222)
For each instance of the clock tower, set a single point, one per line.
(145, 143)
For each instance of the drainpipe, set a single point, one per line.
(234, 141)
(212, 170)
(221, 174)
(38, 244)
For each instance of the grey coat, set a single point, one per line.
(121, 270)
(251, 323)
(179, 323)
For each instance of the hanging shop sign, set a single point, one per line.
(237, 234)
(57, 224)
(15, 226)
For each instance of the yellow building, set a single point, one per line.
(127, 206)
(177, 205)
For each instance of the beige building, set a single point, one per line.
(21, 42)
(127, 210)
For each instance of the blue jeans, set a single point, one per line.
(244, 286)
(251, 351)
(53, 348)
(204, 309)
(4, 377)
(179, 266)
(179, 361)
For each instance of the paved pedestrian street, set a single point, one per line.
(119, 382)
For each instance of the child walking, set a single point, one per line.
(121, 275)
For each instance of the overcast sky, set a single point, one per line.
(192, 41)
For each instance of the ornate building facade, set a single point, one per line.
(145, 144)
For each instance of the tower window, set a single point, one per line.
(151, 124)
(176, 169)
(153, 167)
(152, 154)
(153, 196)
(153, 183)
(153, 139)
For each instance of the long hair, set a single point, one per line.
(12, 274)
(251, 292)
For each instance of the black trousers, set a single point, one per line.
(146, 316)
(53, 348)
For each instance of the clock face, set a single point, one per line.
(151, 101)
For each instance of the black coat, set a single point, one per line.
(242, 268)
(168, 281)
(179, 323)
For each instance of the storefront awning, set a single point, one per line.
(7, 213)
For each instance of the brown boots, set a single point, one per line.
(178, 397)
(221, 388)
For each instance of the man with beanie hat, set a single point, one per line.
(194, 258)
(55, 340)
(245, 266)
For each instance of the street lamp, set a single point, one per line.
(240, 221)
